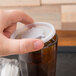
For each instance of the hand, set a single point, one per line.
(8, 21)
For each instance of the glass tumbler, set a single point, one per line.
(42, 62)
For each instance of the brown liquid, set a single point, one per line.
(40, 63)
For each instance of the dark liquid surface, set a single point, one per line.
(40, 63)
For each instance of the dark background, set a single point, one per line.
(66, 61)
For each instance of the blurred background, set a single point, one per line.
(60, 13)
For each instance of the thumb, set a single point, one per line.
(21, 46)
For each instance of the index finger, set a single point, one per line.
(15, 16)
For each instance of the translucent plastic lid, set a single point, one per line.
(39, 30)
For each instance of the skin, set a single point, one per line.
(8, 22)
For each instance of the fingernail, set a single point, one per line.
(38, 44)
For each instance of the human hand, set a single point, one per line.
(8, 22)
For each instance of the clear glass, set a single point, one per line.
(42, 62)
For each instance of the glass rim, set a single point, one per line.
(50, 44)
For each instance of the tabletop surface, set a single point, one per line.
(66, 38)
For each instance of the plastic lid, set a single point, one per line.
(40, 30)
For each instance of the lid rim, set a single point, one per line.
(51, 34)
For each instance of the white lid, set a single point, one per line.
(44, 31)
